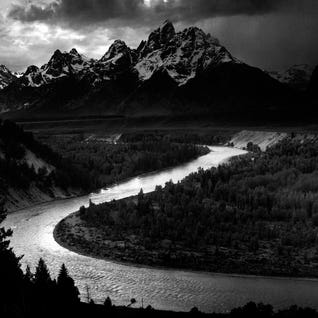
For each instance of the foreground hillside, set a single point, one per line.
(171, 73)
(31, 172)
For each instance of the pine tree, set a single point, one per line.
(11, 276)
(68, 292)
(108, 303)
(28, 276)
(44, 286)
(42, 276)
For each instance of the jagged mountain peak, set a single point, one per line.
(66, 57)
(66, 63)
(183, 54)
(118, 47)
(3, 68)
(166, 23)
(73, 51)
(167, 31)
(117, 60)
(57, 53)
(159, 38)
(61, 64)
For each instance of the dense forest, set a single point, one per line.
(258, 214)
(105, 163)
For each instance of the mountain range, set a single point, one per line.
(171, 73)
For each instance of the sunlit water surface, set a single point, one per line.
(162, 289)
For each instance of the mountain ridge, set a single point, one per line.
(199, 76)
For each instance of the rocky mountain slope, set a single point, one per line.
(6, 77)
(187, 72)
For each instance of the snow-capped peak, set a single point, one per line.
(118, 47)
(158, 38)
(183, 55)
(118, 59)
(60, 65)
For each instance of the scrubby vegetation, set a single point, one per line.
(258, 214)
(217, 137)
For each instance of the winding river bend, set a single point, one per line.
(162, 289)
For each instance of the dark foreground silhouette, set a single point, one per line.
(28, 294)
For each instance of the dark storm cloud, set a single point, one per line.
(136, 11)
(271, 34)
(78, 11)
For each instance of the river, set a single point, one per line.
(163, 289)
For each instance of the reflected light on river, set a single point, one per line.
(163, 289)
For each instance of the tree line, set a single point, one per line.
(104, 163)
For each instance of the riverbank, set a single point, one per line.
(249, 310)
(18, 199)
(126, 163)
(73, 234)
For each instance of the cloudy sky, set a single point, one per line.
(271, 34)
